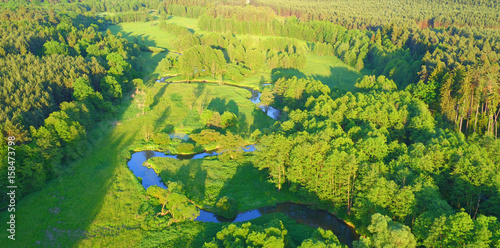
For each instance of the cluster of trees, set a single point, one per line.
(138, 16)
(215, 119)
(351, 46)
(218, 55)
(378, 152)
(59, 75)
(174, 29)
(182, 8)
(361, 14)
(454, 70)
(272, 234)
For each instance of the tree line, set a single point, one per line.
(59, 75)
(377, 152)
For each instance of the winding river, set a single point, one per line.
(300, 213)
(255, 98)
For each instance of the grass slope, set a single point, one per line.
(328, 69)
(177, 107)
(206, 180)
(95, 201)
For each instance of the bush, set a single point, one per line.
(185, 148)
(161, 139)
(226, 207)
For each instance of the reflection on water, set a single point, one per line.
(162, 80)
(181, 136)
(300, 213)
(270, 111)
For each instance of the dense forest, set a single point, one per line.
(408, 155)
(59, 76)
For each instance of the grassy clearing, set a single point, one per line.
(95, 201)
(177, 107)
(147, 33)
(328, 69)
(206, 180)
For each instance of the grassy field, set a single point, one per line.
(95, 201)
(177, 107)
(206, 180)
(328, 69)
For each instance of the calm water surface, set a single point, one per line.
(300, 213)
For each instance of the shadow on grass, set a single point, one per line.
(220, 105)
(191, 174)
(147, 61)
(339, 76)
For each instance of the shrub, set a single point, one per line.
(185, 148)
(227, 207)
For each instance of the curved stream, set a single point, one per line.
(269, 110)
(300, 213)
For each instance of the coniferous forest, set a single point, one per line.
(235, 123)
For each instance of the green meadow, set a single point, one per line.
(96, 200)
(328, 69)
(207, 180)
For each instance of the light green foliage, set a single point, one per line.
(200, 61)
(321, 239)
(228, 119)
(174, 204)
(371, 83)
(82, 89)
(206, 136)
(386, 233)
(161, 139)
(226, 207)
(185, 148)
(457, 230)
(117, 64)
(231, 147)
(248, 235)
(167, 63)
(185, 42)
(54, 47)
(214, 119)
(111, 88)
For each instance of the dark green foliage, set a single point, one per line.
(226, 207)
(386, 233)
(53, 68)
(161, 139)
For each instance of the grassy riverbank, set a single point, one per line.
(96, 200)
(329, 69)
(207, 180)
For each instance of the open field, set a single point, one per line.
(328, 69)
(206, 180)
(95, 201)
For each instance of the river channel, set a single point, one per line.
(300, 213)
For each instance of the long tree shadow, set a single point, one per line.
(190, 172)
(220, 105)
(158, 96)
(340, 77)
